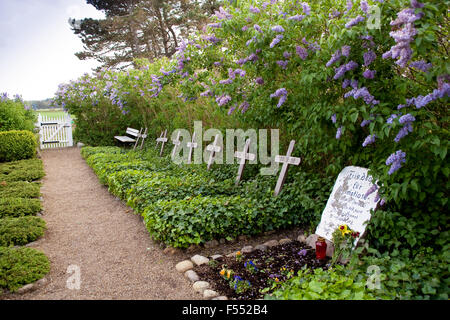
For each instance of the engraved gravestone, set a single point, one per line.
(348, 203)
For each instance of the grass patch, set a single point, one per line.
(20, 231)
(21, 266)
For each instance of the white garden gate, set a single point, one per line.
(55, 131)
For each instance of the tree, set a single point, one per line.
(139, 29)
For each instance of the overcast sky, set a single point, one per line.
(37, 46)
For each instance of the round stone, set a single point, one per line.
(271, 243)
(284, 241)
(261, 247)
(184, 266)
(200, 286)
(199, 260)
(192, 276)
(247, 249)
(209, 294)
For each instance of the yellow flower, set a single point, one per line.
(276, 280)
(222, 272)
(344, 229)
(228, 274)
(238, 253)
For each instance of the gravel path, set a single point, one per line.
(89, 228)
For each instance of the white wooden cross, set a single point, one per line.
(244, 155)
(213, 148)
(176, 143)
(191, 145)
(163, 139)
(286, 160)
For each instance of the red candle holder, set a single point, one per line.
(321, 249)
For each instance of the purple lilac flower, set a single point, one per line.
(306, 8)
(276, 40)
(283, 63)
(345, 50)
(333, 118)
(226, 81)
(248, 42)
(278, 29)
(259, 81)
(301, 52)
(421, 65)
(354, 22)
(286, 55)
(369, 57)
(335, 57)
(369, 140)
(4, 96)
(206, 93)
(334, 14)
(364, 6)
(232, 108)
(395, 160)
(416, 5)
(371, 190)
(339, 133)
(369, 74)
(382, 202)
(215, 25)
(348, 6)
(217, 63)
(212, 38)
(302, 252)
(222, 14)
(407, 118)
(340, 71)
(365, 123)
(280, 93)
(254, 10)
(244, 28)
(405, 130)
(403, 37)
(257, 28)
(297, 17)
(244, 106)
(391, 118)
(223, 100)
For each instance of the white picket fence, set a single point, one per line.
(55, 132)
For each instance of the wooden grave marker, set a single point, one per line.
(176, 143)
(191, 145)
(286, 161)
(213, 148)
(243, 156)
(163, 139)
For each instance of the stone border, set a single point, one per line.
(27, 288)
(203, 287)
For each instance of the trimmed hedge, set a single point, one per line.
(21, 266)
(19, 189)
(17, 145)
(86, 152)
(20, 231)
(23, 170)
(18, 207)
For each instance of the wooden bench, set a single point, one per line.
(136, 134)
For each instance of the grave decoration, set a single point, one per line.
(243, 156)
(349, 205)
(286, 160)
(163, 139)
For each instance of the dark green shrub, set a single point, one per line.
(19, 189)
(322, 285)
(14, 116)
(17, 207)
(86, 152)
(121, 181)
(180, 223)
(20, 231)
(164, 187)
(21, 266)
(17, 145)
(23, 170)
